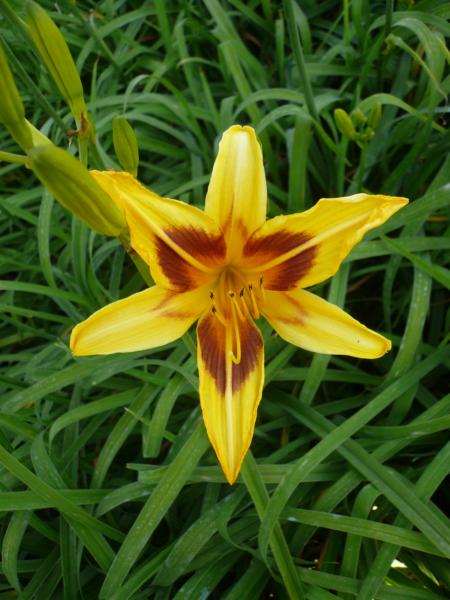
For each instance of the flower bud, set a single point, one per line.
(125, 145)
(38, 138)
(358, 118)
(73, 186)
(12, 113)
(344, 123)
(374, 116)
(57, 58)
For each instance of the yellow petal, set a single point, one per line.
(229, 392)
(237, 194)
(304, 249)
(144, 320)
(310, 322)
(180, 243)
(113, 182)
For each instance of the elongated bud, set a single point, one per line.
(125, 145)
(374, 117)
(56, 55)
(38, 138)
(344, 124)
(12, 113)
(358, 117)
(73, 186)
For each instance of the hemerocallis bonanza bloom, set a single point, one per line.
(226, 267)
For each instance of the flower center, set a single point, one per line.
(234, 299)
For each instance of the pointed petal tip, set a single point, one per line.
(231, 471)
(73, 345)
(396, 201)
(385, 346)
(231, 480)
(312, 323)
(76, 345)
(376, 345)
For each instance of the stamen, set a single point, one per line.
(219, 315)
(244, 302)
(262, 290)
(255, 310)
(216, 312)
(221, 318)
(234, 302)
(235, 355)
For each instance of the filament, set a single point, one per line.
(255, 310)
(235, 353)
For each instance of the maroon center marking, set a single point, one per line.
(199, 243)
(211, 334)
(274, 244)
(175, 268)
(251, 346)
(284, 276)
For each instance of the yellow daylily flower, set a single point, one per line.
(225, 267)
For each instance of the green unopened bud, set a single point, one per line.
(344, 123)
(57, 58)
(125, 145)
(75, 188)
(12, 113)
(358, 117)
(374, 117)
(38, 138)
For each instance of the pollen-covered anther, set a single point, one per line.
(217, 312)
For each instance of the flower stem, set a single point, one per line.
(13, 158)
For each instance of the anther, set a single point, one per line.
(217, 312)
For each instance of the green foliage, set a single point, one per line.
(108, 485)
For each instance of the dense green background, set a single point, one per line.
(107, 480)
